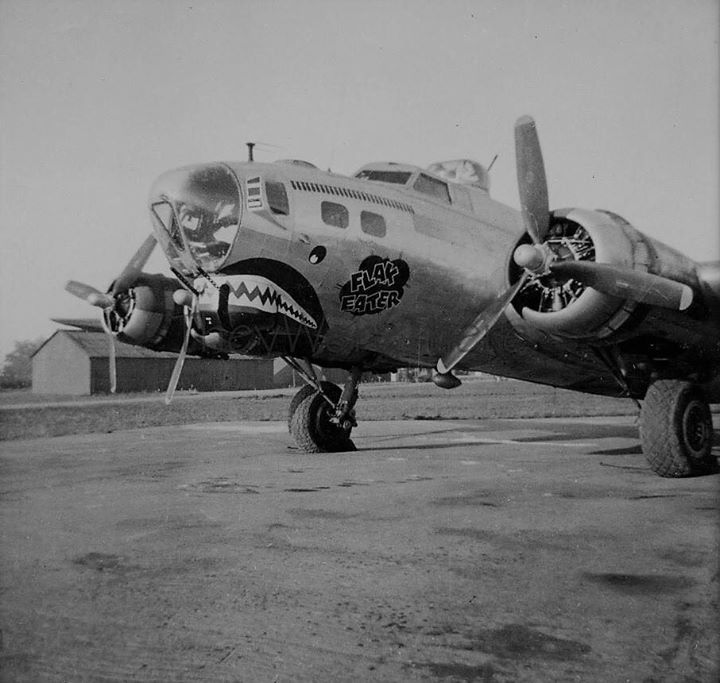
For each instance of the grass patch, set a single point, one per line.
(27, 415)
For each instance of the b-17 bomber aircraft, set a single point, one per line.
(399, 266)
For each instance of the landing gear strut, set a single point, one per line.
(322, 415)
(676, 430)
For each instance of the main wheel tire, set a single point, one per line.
(308, 390)
(676, 430)
(310, 423)
(305, 391)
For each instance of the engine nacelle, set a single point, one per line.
(146, 314)
(566, 307)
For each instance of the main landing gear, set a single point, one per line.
(676, 430)
(322, 415)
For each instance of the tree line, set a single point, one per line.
(17, 368)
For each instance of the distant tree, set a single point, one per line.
(17, 369)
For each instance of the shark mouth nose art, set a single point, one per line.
(252, 292)
(260, 306)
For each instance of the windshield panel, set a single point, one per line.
(432, 186)
(395, 177)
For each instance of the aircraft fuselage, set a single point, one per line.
(288, 260)
(373, 273)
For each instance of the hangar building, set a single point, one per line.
(77, 362)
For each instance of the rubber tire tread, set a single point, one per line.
(661, 430)
(302, 424)
(302, 394)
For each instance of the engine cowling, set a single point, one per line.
(565, 307)
(146, 314)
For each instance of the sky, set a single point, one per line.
(98, 97)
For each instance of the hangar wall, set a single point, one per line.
(77, 362)
(60, 366)
(203, 374)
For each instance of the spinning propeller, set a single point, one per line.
(114, 302)
(537, 259)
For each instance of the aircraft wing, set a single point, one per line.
(87, 324)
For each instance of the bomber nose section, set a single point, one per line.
(196, 213)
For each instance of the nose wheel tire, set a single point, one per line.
(311, 425)
(676, 430)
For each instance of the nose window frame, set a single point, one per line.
(169, 223)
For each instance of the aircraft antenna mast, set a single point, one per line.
(250, 146)
(494, 159)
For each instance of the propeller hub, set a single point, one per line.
(531, 257)
(100, 300)
(182, 297)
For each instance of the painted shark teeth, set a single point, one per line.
(255, 291)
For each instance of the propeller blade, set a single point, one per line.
(480, 327)
(112, 361)
(88, 293)
(626, 283)
(175, 377)
(532, 183)
(132, 270)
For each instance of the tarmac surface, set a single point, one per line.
(493, 550)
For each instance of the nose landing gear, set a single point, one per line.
(322, 415)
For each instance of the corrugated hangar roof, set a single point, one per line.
(96, 345)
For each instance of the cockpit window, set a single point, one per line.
(396, 177)
(433, 187)
(207, 209)
(277, 198)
